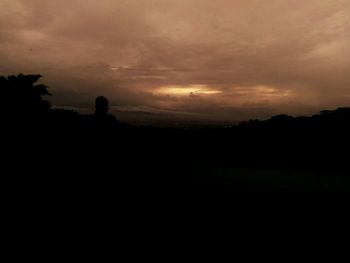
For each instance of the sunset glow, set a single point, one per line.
(186, 90)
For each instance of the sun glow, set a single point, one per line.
(186, 90)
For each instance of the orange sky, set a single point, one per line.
(221, 60)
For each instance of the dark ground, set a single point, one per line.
(283, 161)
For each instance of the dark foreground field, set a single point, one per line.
(258, 186)
(301, 161)
(259, 166)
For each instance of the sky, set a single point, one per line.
(185, 60)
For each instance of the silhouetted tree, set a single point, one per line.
(21, 94)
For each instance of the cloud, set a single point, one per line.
(263, 57)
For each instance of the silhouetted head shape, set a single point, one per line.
(101, 105)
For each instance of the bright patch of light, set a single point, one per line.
(186, 90)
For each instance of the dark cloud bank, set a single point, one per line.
(250, 59)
